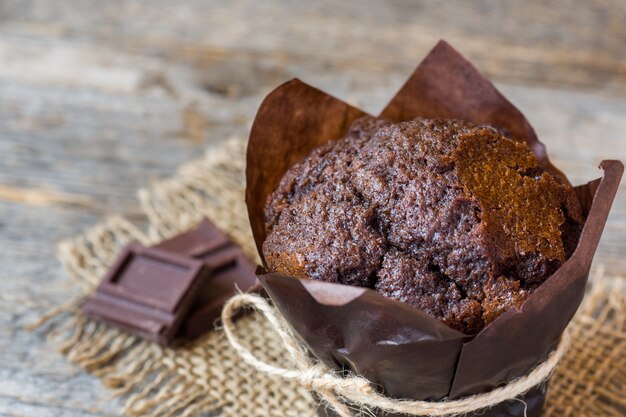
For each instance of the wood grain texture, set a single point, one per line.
(99, 98)
(579, 43)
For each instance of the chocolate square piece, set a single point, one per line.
(148, 292)
(204, 239)
(231, 270)
(223, 284)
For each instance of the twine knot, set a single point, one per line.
(345, 392)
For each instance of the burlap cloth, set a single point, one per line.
(206, 377)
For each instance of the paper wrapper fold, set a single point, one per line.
(407, 353)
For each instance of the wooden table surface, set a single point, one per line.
(99, 98)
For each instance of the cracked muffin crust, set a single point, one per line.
(453, 218)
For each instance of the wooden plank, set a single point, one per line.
(579, 44)
(97, 103)
(34, 378)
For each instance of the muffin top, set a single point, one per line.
(453, 218)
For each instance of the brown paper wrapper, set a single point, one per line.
(407, 353)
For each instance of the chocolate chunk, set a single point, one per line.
(204, 239)
(230, 269)
(148, 291)
(217, 289)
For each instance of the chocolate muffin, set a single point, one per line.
(453, 218)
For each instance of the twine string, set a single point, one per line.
(345, 392)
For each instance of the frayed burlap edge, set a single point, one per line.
(207, 376)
